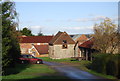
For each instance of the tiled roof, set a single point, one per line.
(55, 37)
(35, 39)
(59, 37)
(42, 49)
(80, 37)
(87, 44)
(76, 36)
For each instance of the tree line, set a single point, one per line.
(27, 32)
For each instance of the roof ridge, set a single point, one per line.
(58, 37)
(36, 39)
(70, 37)
(55, 37)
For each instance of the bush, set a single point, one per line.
(106, 64)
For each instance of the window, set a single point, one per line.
(64, 44)
(51, 44)
(64, 41)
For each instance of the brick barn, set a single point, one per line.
(35, 45)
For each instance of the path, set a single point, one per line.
(74, 73)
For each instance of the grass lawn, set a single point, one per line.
(79, 64)
(55, 60)
(33, 71)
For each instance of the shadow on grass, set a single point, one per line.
(17, 69)
(52, 79)
(56, 76)
(44, 77)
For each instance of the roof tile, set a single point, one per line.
(87, 44)
(35, 39)
(42, 49)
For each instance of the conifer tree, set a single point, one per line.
(10, 42)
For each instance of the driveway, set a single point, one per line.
(74, 73)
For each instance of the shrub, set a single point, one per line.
(106, 64)
(112, 65)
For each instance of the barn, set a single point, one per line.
(61, 46)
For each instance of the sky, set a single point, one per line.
(72, 17)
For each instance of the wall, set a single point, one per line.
(51, 51)
(116, 50)
(56, 51)
(43, 55)
(77, 52)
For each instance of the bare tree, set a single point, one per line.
(105, 36)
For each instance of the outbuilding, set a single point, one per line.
(61, 46)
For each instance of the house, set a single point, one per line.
(61, 46)
(36, 45)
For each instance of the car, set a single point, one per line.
(27, 58)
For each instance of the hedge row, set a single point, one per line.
(107, 64)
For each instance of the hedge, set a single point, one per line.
(107, 64)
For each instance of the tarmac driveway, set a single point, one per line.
(74, 73)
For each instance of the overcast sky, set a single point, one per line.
(72, 17)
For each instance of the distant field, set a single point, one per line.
(33, 71)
